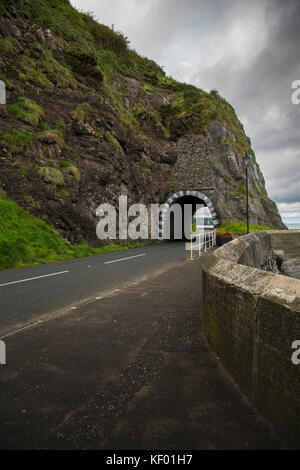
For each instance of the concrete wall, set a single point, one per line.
(287, 248)
(251, 318)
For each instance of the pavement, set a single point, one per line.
(128, 370)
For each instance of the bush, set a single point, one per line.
(82, 112)
(27, 110)
(51, 175)
(70, 169)
(51, 136)
(84, 60)
(16, 141)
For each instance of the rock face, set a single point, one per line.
(117, 120)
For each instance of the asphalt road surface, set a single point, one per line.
(27, 293)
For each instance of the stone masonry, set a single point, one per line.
(192, 170)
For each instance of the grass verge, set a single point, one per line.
(26, 240)
(240, 228)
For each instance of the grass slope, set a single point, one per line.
(240, 228)
(26, 240)
(96, 51)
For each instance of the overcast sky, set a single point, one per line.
(248, 50)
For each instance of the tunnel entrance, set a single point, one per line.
(183, 210)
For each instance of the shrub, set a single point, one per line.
(45, 72)
(84, 59)
(51, 175)
(9, 45)
(70, 169)
(27, 110)
(51, 136)
(82, 112)
(16, 141)
(114, 141)
(105, 37)
(241, 190)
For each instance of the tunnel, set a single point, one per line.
(172, 223)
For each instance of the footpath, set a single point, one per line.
(131, 370)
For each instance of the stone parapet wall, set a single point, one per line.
(251, 318)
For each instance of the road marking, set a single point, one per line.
(33, 278)
(22, 329)
(124, 259)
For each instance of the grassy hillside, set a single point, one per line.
(102, 54)
(26, 240)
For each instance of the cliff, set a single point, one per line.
(87, 119)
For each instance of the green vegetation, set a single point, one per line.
(65, 163)
(16, 141)
(32, 202)
(8, 46)
(82, 112)
(4, 79)
(2, 9)
(206, 106)
(84, 59)
(229, 180)
(31, 74)
(26, 240)
(2, 191)
(51, 175)
(240, 228)
(27, 110)
(45, 72)
(51, 136)
(80, 28)
(70, 169)
(103, 54)
(92, 55)
(61, 127)
(114, 141)
(241, 191)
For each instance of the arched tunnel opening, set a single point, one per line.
(186, 214)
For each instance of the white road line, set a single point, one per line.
(33, 278)
(124, 259)
(22, 329)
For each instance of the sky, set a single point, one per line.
(248, 51)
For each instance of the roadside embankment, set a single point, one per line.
(252, 318)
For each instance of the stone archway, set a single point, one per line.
(180, 194)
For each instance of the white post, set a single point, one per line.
(2, 92)
(2, 352)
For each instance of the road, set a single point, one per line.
(27, 293)
(129, 371)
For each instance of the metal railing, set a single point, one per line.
(202, 242)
